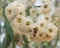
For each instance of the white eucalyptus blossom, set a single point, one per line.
(27, 25)
(51, 30)
(17, 23)
(9, 12)
(47, 7)
(48, 34)
(33, 12)
(14, 9)
(48, 17)
(38, 24)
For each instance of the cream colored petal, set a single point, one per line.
(33, 12)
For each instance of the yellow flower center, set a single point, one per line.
(46, 18)
(9, 11)
(41, 24)
(20, 13)
(50, 30)
(45, 6)
(19, 20)
(27, 23)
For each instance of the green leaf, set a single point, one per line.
(56, 41)
(47, 45)
(9, 32)
(0, 29)
(0, 44)
(25, 41)
(28, 11)
(6, 42)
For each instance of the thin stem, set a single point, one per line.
(56, 41)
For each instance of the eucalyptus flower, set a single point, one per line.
(38, 24)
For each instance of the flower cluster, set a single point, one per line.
(32, 19)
